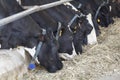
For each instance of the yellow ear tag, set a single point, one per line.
(75, 29)
(98, 20)
(60, 34)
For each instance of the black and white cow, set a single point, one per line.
(66, 37)
(91, 38)
(26, 32)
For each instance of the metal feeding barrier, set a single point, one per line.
(27, 12)
(32, 65)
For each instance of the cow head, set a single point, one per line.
(48, 55)
(104, 18)
(65, 41)
(80, 34)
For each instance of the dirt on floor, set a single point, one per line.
(97, 61)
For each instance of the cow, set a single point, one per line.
(26, 32)
(104, 17)
(48, 56)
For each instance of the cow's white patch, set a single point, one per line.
(110, 8)
(74, 8)
(19, 1)
(92, 39)
(31, 52)
(74, 53)
(66, 56)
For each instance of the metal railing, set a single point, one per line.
(27, 12)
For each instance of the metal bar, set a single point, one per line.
(32, 63)
(96, 14)
(73, 19)
(58, 30)
(19, 1)
(30, 11)
(28, 7)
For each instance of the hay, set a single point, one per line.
(97, 60)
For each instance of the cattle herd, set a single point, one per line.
(72, 18)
